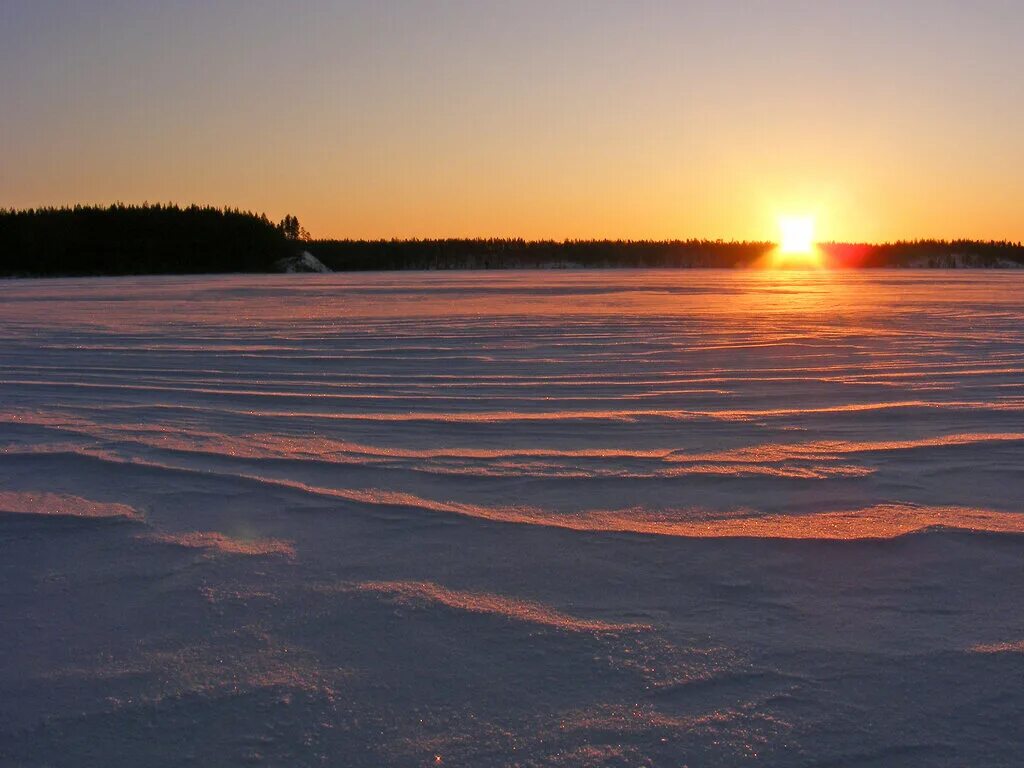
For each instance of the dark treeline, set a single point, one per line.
(343, 255)
(525, 254)
(143, 239)
(926, 253)
(167, 239)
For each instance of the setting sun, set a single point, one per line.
(797, 235)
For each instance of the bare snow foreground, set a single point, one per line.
(592, 518)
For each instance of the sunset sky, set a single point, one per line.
(532, 119)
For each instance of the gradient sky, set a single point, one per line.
(532, 119)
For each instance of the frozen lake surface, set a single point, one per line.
(592, 518)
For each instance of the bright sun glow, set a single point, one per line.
(797, 234)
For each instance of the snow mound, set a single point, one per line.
(304, 262)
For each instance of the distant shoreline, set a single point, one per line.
(91, 241)
(558, 269)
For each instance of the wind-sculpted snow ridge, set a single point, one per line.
(884, 521)
(476, 519)
(874, 522)
(211, 540)
(812, 459)
(427, 593)
(1011, 647)
(627, 416)
(59, 505)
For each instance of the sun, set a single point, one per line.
(797, 235)
(796, 248)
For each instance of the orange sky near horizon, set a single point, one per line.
(568, 120)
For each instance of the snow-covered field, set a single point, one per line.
(545, 518)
